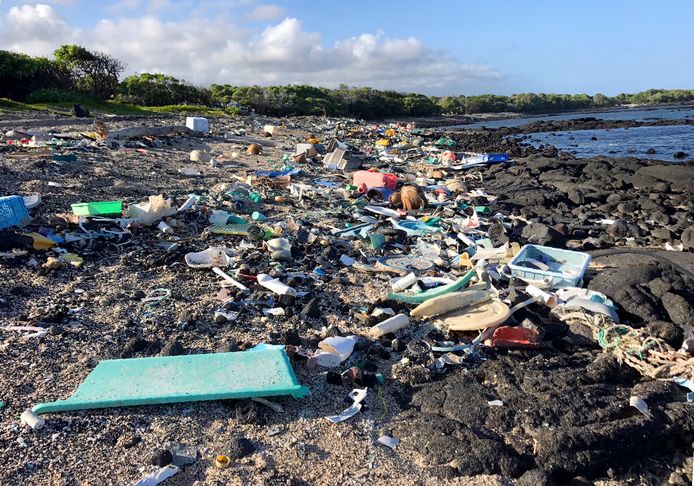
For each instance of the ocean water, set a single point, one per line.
(622, 142)
(613, 142)
(638, 114)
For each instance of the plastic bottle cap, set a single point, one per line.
(222, 461)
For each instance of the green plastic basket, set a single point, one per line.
(98, 208)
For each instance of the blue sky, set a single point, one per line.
(441, 47)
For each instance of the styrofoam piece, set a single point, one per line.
(32, 420)
(198, 123)
(211, 257)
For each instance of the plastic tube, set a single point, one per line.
(392, 324)
(546, 298)
(275, 285)
(405, 282)
(226, 277)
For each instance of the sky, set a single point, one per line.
(441, 47)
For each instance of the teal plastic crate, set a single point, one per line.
(553, 267)
(13, 212)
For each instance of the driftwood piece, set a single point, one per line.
(135, 132)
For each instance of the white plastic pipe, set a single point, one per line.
(392, 324)
(275, 285)
(546, 298)
(405, 282)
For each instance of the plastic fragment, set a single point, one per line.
(640, 404)
(158, 476)
(357, 395)
(430, 294)
(390, 442)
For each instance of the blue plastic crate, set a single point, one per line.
(551, 266)
(13, 212)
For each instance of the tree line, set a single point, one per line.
(75, 72)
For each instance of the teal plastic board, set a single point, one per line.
(172, 379)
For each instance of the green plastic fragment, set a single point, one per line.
(430, 294)
(64, 157)
(444, 142)
(245, 229)
(97, 208)
(261, 372)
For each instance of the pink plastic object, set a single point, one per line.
(375, 179)
(448, 155)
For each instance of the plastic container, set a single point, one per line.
(550, 267)
(198, 123)
(13, 212)
(98, 208)
(497, 157)
(374, 179)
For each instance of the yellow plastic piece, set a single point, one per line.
(390, 132)
(222, 461)
(313, 141)
(465, 261)
(383, 142)
(40, 241)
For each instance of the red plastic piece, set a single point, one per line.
(515, 337)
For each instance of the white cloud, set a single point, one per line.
(33, 29)
(206, 51)
(265, 12)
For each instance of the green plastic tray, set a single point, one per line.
(173, 379)
(97, 208)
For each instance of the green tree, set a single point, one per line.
(161, 89)
(95, 72)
